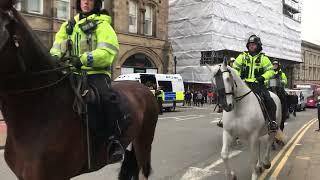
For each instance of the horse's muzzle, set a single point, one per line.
(228, 107)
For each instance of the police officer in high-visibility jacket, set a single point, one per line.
(278, 73)
(92, 46)
(254, 67)
(280, 81)
(159, 95)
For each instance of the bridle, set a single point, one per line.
(24, 73)
(220, 87)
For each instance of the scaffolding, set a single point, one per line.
(203, 32)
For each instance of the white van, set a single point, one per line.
(172, 85)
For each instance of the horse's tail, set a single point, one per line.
(129, 167)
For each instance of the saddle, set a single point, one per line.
(95, 109)
(262, 106)
(88, 95)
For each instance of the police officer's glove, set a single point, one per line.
(76, 62)
(260, 80)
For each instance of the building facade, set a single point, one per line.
(141, 26)
(308, 72)
(205, 32)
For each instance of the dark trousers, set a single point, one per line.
(104, 113)
(263, 92)
(159, 100)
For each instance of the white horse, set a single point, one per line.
(242, 117)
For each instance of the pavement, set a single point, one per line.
(187, 146)
(301, 160)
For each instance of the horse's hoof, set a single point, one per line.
(267, 165)
(259, 169)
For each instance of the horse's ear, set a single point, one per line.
(225, 62)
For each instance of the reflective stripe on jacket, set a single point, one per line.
(96, 56)
(250, 67)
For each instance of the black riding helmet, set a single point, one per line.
(97, 5)
(255, 39)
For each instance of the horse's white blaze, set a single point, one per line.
(246, 120)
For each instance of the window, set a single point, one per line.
(133, 17)
(211, 57)
(34, 6)
(165, 85)
(63, 9)
(148, 21)
(292, 9)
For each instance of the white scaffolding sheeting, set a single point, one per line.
(212, 25)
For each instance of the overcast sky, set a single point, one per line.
(311, 21)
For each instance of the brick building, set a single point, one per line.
(141, 26)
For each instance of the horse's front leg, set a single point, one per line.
(254, 142)
(227, 140)
(259, 163)
(266, 159)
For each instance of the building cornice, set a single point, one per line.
(310, 45)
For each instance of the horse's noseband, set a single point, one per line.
(220, 83)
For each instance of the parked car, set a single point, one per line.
(311, 102)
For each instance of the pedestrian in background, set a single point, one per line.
(318, 107)
(159, 94)
(210, 97)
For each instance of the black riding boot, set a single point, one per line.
(115, 148)
(271, 108)
(269, 104)
(109, 109)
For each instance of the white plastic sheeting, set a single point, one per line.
(211, 25)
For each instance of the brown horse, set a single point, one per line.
(46, 139)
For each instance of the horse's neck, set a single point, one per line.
(241, 88)
(33, 51)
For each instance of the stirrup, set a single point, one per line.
(273, 126)
(117, 153)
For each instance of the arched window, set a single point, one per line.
(139, 60)
(139, 63)
(148, 21)
(133, 16)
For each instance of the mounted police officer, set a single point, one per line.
(92, 46)
(254, 67)
(277, 84)
(279, 74)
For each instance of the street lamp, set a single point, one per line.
(175, 64)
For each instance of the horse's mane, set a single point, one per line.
(236, 77)
(38, 51)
